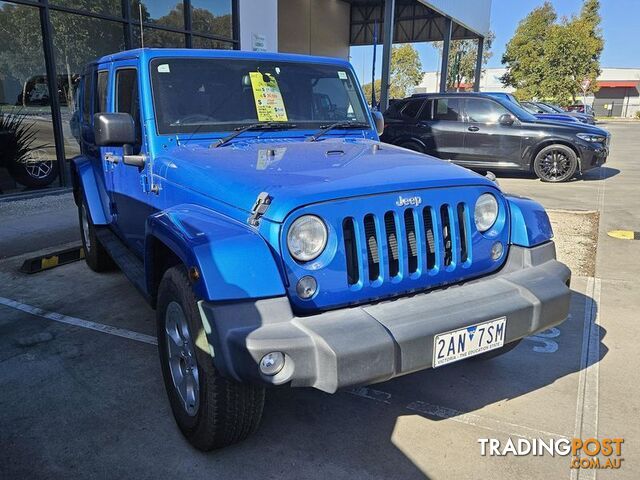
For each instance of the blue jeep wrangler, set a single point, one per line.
(248, 198)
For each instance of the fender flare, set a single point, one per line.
(233, 261)
(530, 225)
(84, 178)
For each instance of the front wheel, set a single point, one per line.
(555, 163)
(210, 410)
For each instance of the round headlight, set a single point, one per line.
(307, 238)
(486, 212)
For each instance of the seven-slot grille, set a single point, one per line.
(410, 242)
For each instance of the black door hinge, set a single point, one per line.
(259, 209)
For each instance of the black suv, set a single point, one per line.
(484, 132)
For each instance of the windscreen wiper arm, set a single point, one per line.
(253, 126)
(344, 124)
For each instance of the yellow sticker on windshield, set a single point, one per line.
(266, 93)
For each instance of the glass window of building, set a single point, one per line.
(77, 40)
(213, 17)
(168, 13)
(103, 7)
(204, 42)
(27, 144)
(156, 38)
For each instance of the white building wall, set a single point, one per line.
(258, 25)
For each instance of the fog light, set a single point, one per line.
(306, 287)
(272, 363)
(496, 250)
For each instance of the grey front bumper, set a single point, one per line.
(372, 343)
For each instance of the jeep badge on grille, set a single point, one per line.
(404, 202)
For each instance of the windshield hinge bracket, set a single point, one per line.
(259, 209)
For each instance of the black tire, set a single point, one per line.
(34, 174)
(212, 412)
(497, 352)
(411, 145)
(94, 253)
(555, 163)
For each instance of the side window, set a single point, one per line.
(101, 92)
(412, 108)
(482, 110)
(447, 109)
(127, 97)
(425, 113)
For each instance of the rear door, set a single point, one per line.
(94, 100)
(443, 128)
(486, 141)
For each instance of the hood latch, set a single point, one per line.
(259, 209)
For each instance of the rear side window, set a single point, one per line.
(101, 92)
(412, 108)
(482, 110)
(447, 109)
(127, 97)
(87, 87)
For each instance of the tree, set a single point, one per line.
(405, 73)
(524, 55)
(551, 60)
(462, 59)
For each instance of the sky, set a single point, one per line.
(620, 24)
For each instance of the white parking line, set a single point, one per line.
(586, 424)
(79, 322)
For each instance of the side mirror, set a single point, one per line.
(506, 119)
(114, 129)
(379, 120)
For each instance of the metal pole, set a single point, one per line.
(446, 44)
(478, 73)
(389, 10)
(52, 83)
(373, 65)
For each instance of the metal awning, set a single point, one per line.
(410, 21)
(414, 22)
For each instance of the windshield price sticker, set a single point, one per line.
(342, 75)
(269, 103)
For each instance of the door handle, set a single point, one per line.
(473, 129)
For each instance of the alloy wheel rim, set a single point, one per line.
(39, 170)
(183, 366)
(555, 164)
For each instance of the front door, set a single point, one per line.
(130, 187)
(486, 141)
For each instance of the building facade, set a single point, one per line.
(618, 94)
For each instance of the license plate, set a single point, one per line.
(469, 341)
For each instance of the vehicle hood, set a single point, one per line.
(298, 173)
(569, 127)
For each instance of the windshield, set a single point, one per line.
(545, 108)
(212, 95)
(518, 110)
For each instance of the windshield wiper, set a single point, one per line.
(344, 124)
(253, 126)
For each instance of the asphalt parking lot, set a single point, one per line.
(81, 392)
